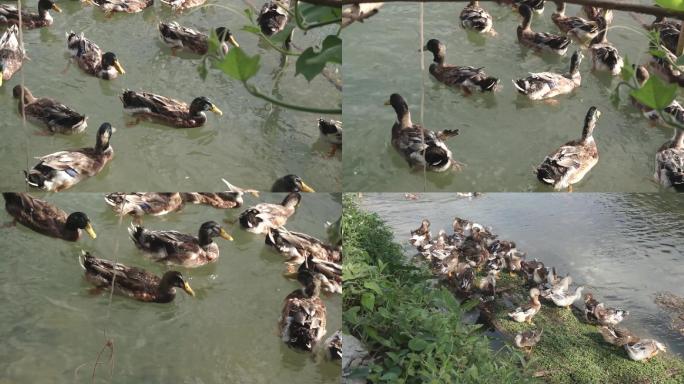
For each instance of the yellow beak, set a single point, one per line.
(91, 232)
(56, 8)
(188, 290)
(306, 188)
(232, 40)
(0, 79)
(216, 110)
(225, 235)
(118, 67)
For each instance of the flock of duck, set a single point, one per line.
(63, 169)
(455, 260)
(567, 165)
(313, 263)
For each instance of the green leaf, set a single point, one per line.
(368, 301)
(203, 70)
(615, 97)
(281, 36)
(657, 53)
(675, 5)
(373, 286)
(311, 63)
(252, 29)
(417, 344)
(469, 305)
(238, 65)
(316, 14)
(655, 93)
(627, 72)
(680, 61)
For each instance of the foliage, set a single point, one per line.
(412, 327)
(675, 5)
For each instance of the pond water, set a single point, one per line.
(52, 327)
(502, 136)
(251, 145)
(625, 248)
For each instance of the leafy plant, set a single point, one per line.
(310, 63)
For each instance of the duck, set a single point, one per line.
(178, 37)
(675, 109)
(138, 204)
(513, 262)
(669, 162)
(665, 65)
(573, 160)
(64, 169)
(133, 282)
(526, 313)
(90, 58)
(475, 18)
(667, 30)
(488, 283)
(604, 56)
(537, 6)
(173, 247)
(45, 218)
(331, 132)
(12, 54)
(528, 339)
(564, 299)
(232, 198)
(617, 336)
(303, 319)
(290, 183)
(330, 272)
(123, 6)
(273, 17)
(333, 346)
(53, 115)
(468, 79)
(592, 13)
(295, 245)
(577, 28)
(181, 5)
(590, 304)
(529, 266)
(265, 216)
(545, 85)
(419, 146)
(9, 15)
(609, 316)
(166, 110)
(644, 349)
(422, 234)
(539, 41)
(560, 288)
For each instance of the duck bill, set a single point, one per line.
(91, 232)
(306, 188)
(0, 79)
(216, 110)
(118, 67)
(387, 102)
(226, 235)
(56, 8)
(234, 42)
(188, 290)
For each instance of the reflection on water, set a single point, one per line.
(50, 325)
(624, 247)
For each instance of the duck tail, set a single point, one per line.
(488, 84)
(291, 200)
(436, 157)
(522, 86)
(84, 258)
(136, 233)
(547, 174)
(35, 179)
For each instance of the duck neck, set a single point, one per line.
(678, 138)
(527, 21)
(403, 115)
(560, 9)
(102, 144)
(165, 292)
(588, 131)
(438, 57)
(204, 238)
(474, 3)
(312, 290)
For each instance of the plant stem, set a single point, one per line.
(255, 92)
(307, 27)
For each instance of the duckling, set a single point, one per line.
(617, 336)
(477, 19)
(526, 313)
(181, 5)
(133, 282)
(232, 198)
(573, 160)
(9, 15)
(290, 183)
(604, 56)
(45, 218)
(303, 319)
(468, 79)
(262, 217)
(669, 162)
(173, 247)
(421, 235)
(644, 349)
(577, 28)
(55, 116)
(273, 17)
(90, 58)
(419, 146)
(166, 110)
(528, 339)
(138, 204)
(539, 41)
(12, 54)
(178, 37)
(62, 170)
(331, 132)
(592, 13)
(545, 85)
(565, 299)
(125, 6)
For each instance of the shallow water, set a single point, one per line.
(52, 327)
(251, 145)
(625, 248)
(502, 136)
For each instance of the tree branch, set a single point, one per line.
(618, 6)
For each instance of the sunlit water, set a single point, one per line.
(251, 145)
(51, 327)
(625, 248)
(502, 136)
